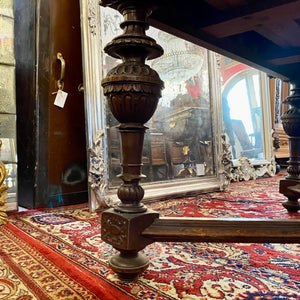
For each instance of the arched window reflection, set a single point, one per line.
(241, 101)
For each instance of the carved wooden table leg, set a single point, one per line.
(290, 185)
(132, 89)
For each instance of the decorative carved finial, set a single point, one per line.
(291, 125)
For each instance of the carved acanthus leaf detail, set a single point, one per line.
(97, 171)
(244, 170)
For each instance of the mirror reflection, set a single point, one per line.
(178, 143)
(241, 105)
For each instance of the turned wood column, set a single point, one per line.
(132, 90)
(290, 185)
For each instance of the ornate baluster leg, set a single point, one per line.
(132, 89)
(290, 185)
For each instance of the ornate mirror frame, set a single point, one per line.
(99, 194)
(244, 168)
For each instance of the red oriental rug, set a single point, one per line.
(58, 254)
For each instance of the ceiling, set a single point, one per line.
(261, 33)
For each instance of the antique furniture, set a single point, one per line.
(51, 139)
(279, 90)
(241, 30)
(181, 143)
(157, 153)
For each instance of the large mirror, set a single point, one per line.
(247, 119)
(179, 140)
(183, 145)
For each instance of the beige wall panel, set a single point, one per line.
(7, 90)
(6, 40)
(8, 126)
(6, 8)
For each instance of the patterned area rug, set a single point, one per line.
(58, 254)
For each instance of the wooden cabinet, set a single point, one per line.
(51, 140)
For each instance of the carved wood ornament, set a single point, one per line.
(290, 185)
(132, 89)
(3, 193)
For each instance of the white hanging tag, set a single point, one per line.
(200, 169)
(60, 98)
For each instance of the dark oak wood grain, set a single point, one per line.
(223, 230)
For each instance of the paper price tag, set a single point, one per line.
(60, 99)
(200, 169)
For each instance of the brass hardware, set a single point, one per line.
(80, 88)
(60, 81)
(185, 150)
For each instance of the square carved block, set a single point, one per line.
(123, 230)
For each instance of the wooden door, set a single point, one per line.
(67, 172)
(51, 139)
